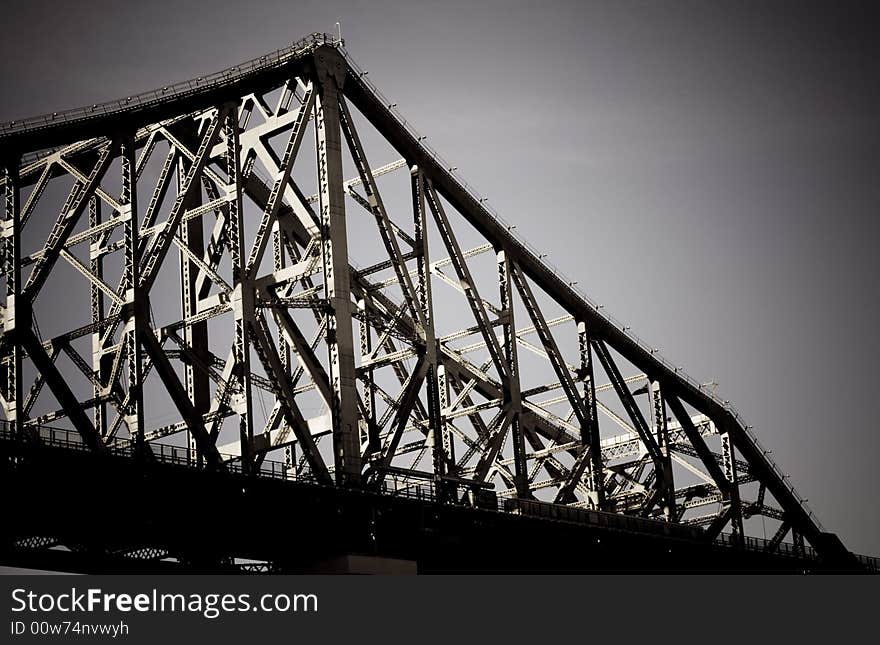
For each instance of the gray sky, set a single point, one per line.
(709, 173)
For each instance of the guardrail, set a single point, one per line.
(761, 544)
(165, 453)
(871, 563)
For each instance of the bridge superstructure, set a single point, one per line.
(179, 280)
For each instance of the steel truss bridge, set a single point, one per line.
(196, 374)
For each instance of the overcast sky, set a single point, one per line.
(708, 172)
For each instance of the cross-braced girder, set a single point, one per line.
(475, 366)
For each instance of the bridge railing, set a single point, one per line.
(761, 544)
(869, 562)
(163, 452)
(424, 490)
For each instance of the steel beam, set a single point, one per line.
(728, 456)
(330, 69)
(243, 296)
(511, 384)
(665, 480)
(438, 438)
(16, 309)
(195, 336)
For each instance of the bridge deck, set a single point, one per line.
(77, 510)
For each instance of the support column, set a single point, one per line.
(438, 434)
(595, 473)
(664, 483)
(330, 70)
(510, 384)
(242, 297)
(443, 403)
(195, 335)
(728, 458)
(279, 261)
(374, 446)
(101, 363)
(135, 312)
(17, 313)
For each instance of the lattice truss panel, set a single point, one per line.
(279, 270)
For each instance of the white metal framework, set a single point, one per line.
(213, 226)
